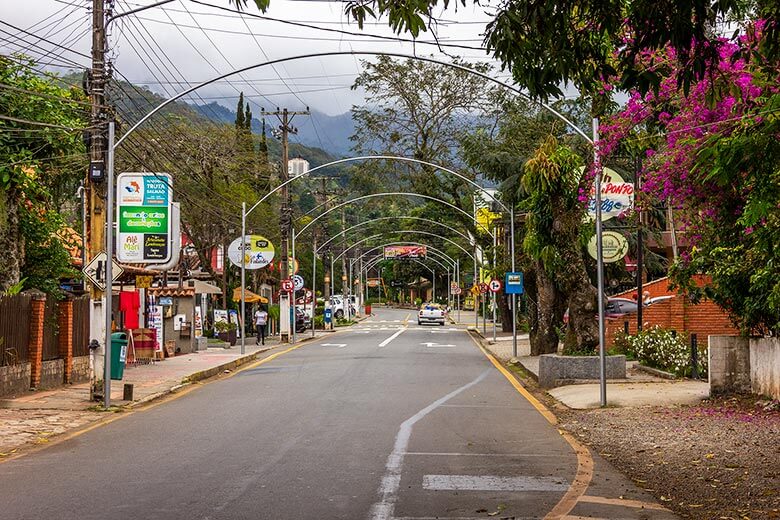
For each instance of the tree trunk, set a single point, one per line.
(506, 313)
(548, 314)
(11, 243)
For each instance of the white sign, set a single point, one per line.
(198, 321)
(254, 251)
(494, 286)
(178, 321)
(297, 282)
(143, 215)
(614, 246)
(156, 319)
(455, 289)
(95, 270)
(220, 316)
(617, 196)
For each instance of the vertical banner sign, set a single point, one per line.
(156, 313)
(143, 215)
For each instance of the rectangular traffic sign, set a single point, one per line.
(514, 283)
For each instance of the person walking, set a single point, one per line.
(261, 319)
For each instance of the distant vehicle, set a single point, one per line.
(302, 321)
(337, 304)
(430, 313)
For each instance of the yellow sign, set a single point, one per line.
(475, 289)
(143, 282)
(485, 219)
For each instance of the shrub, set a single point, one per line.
(319, 321)
(660, 348)
(223, 326)
(418, 301)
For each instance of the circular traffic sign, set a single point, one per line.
(297, 282)
(495, 285)
(483, 287)
(287, 285)
(456, 290)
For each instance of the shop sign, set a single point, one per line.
(156, 319)
(399, 252)
(614, 246)
(143, 217)
(617, 196)
(256, 251)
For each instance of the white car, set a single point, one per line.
(430, 313)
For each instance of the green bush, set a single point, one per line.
(418, 301)
(319, 321)
(660, 348)
(223, 326)
(273, 311)
(319, 310)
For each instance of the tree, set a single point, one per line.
(41, 153)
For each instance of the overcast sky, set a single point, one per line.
(169, 47)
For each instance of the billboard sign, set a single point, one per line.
(401, 252)
(617, 196)
(143, 217)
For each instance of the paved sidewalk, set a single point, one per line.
(35, 417)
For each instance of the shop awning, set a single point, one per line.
(249, 296)
(202, 287)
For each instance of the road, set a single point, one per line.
(384, 420)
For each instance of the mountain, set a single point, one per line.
(318, 130)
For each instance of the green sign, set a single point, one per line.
(143, 217)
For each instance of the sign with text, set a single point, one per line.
(617, 196)
(143, 217)
(513, 283)
(401, 252)
(256, 251)
(614, 246)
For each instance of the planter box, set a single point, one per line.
(554, 369)
(228, 337)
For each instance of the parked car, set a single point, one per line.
(337, 304)
(615, 308)
(302, 321)
(430, 313)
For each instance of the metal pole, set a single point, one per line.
(314, 286)
(109, 265)
(475, 297)
(457, 266)
(493, 299)
(600, 268)
(639, 251)
(514, 296)
(293, 309)
(243, 278)
(433, 275)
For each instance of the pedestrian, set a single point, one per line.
(261, 319)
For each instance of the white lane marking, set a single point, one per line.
(337, 345)
(436, 345)
(388, 489)
(440, 332)
(492, 483)
(449, 454)
(391, 338)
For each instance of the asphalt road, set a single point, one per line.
(384, 420)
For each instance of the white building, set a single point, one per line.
(297, 166)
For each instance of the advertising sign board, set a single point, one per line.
(143, 217)
(256, 250)
(614, 246)
(513, 283)
(617, 196)
(400, 252)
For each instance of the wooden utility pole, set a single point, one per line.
(285, 219)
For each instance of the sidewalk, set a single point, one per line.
(638, 389)
(35, 417)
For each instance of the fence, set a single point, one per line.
(81, 326)
(14, 329)
(50, 330)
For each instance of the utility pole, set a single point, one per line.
(285, 128)
(95, 185)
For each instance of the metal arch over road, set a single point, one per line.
(354, 53)
(402, 232)
(411, 243)
(389, 194)
(380, 157)
(377, 219)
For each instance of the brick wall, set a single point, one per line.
(65, 337)
(35, 347)
(704, 319)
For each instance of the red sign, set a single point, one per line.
(495, 285)
(483, 287)
(287, 285)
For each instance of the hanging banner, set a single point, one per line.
(257, 251)
(143, 207)
(617, 196)
(374, 282)
(401, 252)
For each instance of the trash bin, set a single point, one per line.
(368, 309)
(118, 355)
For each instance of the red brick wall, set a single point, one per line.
(704, 319)
(35, 348)
(65, 336)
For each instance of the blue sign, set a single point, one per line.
(513, 283)
(328, 315)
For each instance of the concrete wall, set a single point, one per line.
(52, 373)
(14, 379)
(554, 369)
(765, 367)
(729, 364)
(80, 372)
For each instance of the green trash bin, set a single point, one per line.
(118, 355)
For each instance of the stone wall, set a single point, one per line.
(729, 364)
(765, 367)
(14, 379)
(555, 370)
(52, 374)
(80, 372)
